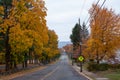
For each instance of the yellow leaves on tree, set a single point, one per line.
(52, 46)
(26, 24)
(23, 27)
(32, 23)
(1, 13)
(105, 33)
(18, 40)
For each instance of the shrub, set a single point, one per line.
(114, 66)
(97, 67)
(103, 67)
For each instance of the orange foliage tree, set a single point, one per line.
(51, 49)
(23, 27)
(105, 33)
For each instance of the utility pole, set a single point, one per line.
(80, 45)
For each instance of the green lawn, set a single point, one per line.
(110, 74)
(113, 76)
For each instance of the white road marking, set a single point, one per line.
(50, 73)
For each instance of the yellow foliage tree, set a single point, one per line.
(24, 26)
(105, 33)
(51, 49)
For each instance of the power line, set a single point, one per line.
(100, 7)
(97, 11)
(92, 11)
(82, 7)
(87, 15)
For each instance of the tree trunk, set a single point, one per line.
(98, 61)
(97, 58)
(15, 65)
(26, 64)
(26, 60)
(23, 65)
(7, 47)
(29, 56)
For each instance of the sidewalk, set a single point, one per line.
(87, 74)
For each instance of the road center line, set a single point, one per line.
(50, 73)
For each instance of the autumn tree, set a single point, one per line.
(68, 49)
(105, 33)
(51, 49)
(24, 34)
(23, 27)
(5, 6)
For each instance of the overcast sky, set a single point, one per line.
(62, 15)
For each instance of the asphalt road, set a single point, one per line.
(62, 70)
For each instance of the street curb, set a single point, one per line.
(81, 73)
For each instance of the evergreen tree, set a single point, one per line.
(76, 36)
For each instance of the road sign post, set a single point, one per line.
(81, 59)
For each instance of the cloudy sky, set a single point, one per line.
(62, 15)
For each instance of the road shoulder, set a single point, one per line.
(24, 72)
(81, 73)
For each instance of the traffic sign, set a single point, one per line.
(81, 58)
